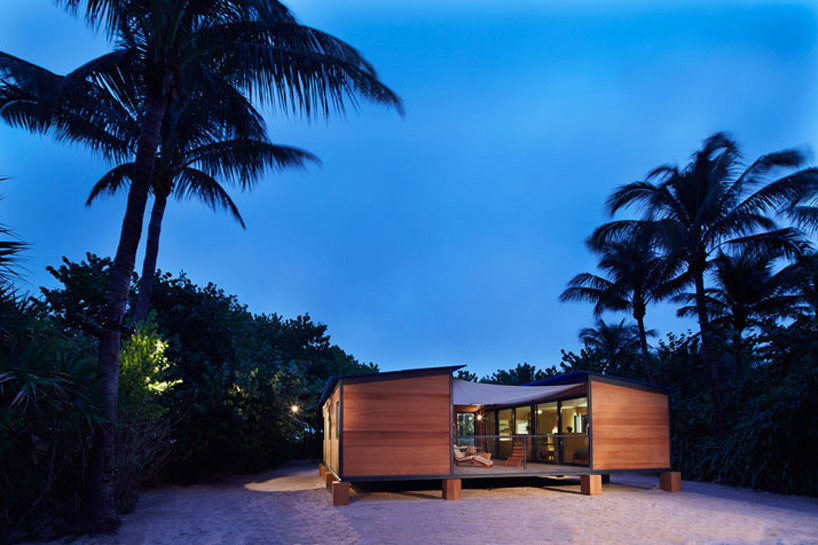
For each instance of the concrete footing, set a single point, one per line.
(452, 489)
(340, 493)
(670, 481)
(590, 485)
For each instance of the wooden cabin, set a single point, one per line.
(425, 424)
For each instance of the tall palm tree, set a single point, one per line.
(636, 276)
(691, 213)
(745, 294)
(198, 145)
(224, 140)
(222, 47)
(613, 342)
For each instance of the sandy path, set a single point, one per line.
(290, 507)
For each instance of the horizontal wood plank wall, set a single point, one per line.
(630, 428)
(397, 427)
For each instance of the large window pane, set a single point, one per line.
(545, 448)
(491, 422)
(504, 426)
(504, 420)
(522, 420)
(465, 424)
(574, 415)
(547, 418)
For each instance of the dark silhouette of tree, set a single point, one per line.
(10, 249)
(614, 344)
(199, 144)
(691, 213)
(462, 374)
(523, 373)
(636, 276)
(745, 294)
(802, 278)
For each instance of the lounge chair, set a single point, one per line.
(473, 459)
(517, 455)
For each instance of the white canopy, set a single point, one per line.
(475, 393)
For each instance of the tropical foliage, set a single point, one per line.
(167, 56)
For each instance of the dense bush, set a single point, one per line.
(233, 375)
(48, 410)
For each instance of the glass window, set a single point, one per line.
(547, 418)
(491, 422)
(465, 424)
(504, 421)
(574, 414)
(522, 420)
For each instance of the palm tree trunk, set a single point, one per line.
(709, 357)
(102, 516)
(143, 299)
(738, 345)
(643, 342)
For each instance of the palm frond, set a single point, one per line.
(112, 181)
(193, 183)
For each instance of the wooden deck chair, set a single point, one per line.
(473, 459)
(517, 455)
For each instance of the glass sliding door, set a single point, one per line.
(574, 428)
(504, 427)
(547, 422)
(522, 421)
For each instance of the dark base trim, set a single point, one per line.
(574, 471)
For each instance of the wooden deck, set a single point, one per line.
(531, 468)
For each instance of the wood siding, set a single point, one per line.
(331, 440)
(630, 428)
(397, 427)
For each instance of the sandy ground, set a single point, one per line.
(291, 507)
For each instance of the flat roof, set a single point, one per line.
(422, 372)
(578, 377)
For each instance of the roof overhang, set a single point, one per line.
(389, 375)
(476, 393)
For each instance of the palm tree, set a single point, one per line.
(228, 142)
(746, 293)
(802, 278)
(196, 149)
(10, 249)
(223, 48)
(636, 276)
(692, 212)
(612, 342)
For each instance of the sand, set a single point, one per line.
(290, 506)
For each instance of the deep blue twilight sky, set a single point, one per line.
(446, 237)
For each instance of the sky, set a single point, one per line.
(446, 237)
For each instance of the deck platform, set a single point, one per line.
(531, 469)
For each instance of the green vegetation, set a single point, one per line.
(744, 412)
(131, 106)
(205, 386)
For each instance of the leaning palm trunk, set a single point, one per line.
(143, 298)
(643, 343)
(709, 357)
(101, 505)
